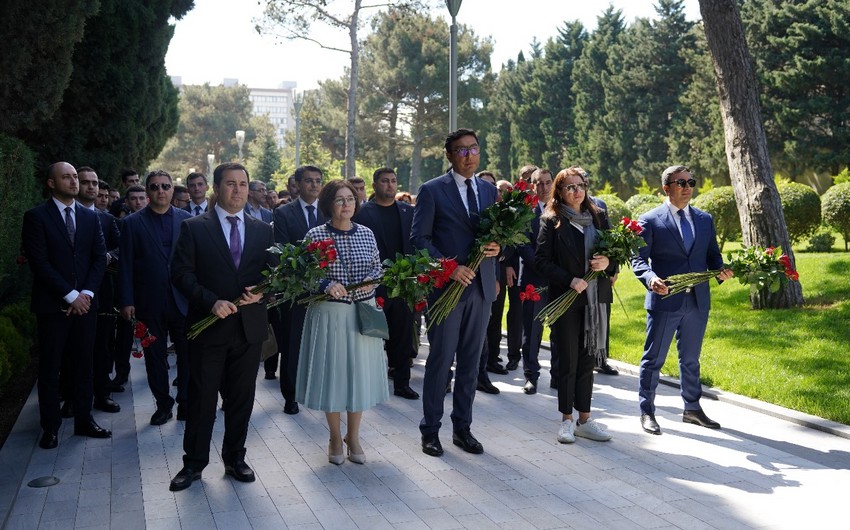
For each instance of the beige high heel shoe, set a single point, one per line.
(357, 458)
(335, 459)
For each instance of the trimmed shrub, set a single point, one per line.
(21, 316)
(14, 350)
(822, 241)
(641, 209)
(801, 206)
(640, 199)
(720, 203)
(835, 209)
(19, 192)
(616, 207)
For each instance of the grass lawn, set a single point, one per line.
(797, 358)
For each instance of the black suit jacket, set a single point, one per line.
(112, 238)
(58, 266)
(368, 216)
(203, 270)
(290, 225)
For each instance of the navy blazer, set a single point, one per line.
(59, 267)
(265, 214)
(442, 225)
(290, 225)
(530, 274)
(664, 255)
(112, 238)
(202, 269)
(368, 216)
(144, 274)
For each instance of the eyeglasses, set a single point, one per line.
(684, 183)
(309, 182)
(344, 200)
(156, 187)
(573, 188)
(466, 151)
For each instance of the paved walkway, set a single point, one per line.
(759, 471)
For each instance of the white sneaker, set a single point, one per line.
(592, 431)
(565, 433)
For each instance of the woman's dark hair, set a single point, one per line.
(328, 194)
(553, 209)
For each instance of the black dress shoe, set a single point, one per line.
(161, 416)
(184, 479)
(240, 471)
(553, 384)
(406, 392)
(530, 387)
(92, 430)
(270, 376)
(512, 365)
(647, 421)
(485, 385)
(176, 382)
(431, 445)
(467, 442)
(290, 407)
(49, 440)
(496, 369)
(67, 410)
(607, 369)
(106, 405)
(698, 417)
(181, 412)
(449, 387)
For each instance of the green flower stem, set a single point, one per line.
(447, 301)
(557, 307)
(321, 297)
(199, 326)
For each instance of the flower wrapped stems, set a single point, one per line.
(141, 332)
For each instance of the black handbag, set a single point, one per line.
(372, 321)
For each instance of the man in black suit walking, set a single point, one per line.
(64, 246)
(390, 221)
(291, 223)
(220, 257)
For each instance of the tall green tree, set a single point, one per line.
(120, 107)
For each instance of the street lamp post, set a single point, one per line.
(210, 164)
(454, 7)
(240, 139)
(297, 103)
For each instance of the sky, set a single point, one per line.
(217, 39)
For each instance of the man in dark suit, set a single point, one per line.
(679, 239)
(291, 223)
(64, 246)
(198, 186)
(102, 358)
(129, 178)
(390, 220)
(146, 294)
(220, 257)
(445, 221)
(256, 199)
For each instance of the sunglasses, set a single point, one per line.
(156, 187)
(466, 151)
(573, 188)
(684, 183)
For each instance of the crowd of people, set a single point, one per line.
(111, 268)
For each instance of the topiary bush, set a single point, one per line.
(14, 350)
(641, 209)
(801, 206)
(19, 191)
(720, 203)
(635, 201)
(616, 207)
(835, 209)
(822, 241)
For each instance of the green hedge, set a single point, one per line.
(720, 203)
(616, 207)
(835, 209)
(14, 350)
(801, 206)
(19, 191)
(635, 202)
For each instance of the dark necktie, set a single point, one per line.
(69, 224)
(470, 199)
(687, 231)
(235, 240)
(197, 210)
(311, 216)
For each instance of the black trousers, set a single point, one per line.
(289, 355)
(514, 323)
(575, 370)
(104, 342)
(281, 336)
(121, 351)
(229, 368)
(172, 324)
(400, 347)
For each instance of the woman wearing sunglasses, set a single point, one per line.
(568, 233)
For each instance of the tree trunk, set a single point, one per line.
(762, 220)
(416, 155)
(352, 91)
(392, 141)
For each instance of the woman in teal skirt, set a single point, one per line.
(340, 370)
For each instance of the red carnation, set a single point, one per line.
(521, 185)
(531, 200)
(785, 261)
(379, 301)
(792, 275)
(323, 264)
(420, 305)
(635, 227)
(523, 296)
(769, 250)
(137, 354)
(625, 221)
(312, 246)
(422, 278)
(140, 330)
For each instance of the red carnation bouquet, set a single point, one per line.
(619, 244)
(763, 269)
(531, 293)
(413, 277)
(299, 268)
(141, 332)
(505, 222)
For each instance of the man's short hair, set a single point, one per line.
(540, 171)
(354, 180)
(526, 171)
(135, 188)
(102, 184)
(460, 133)
(157, 173)
(382, 171)
(665, 176)
(85, 169)
(252, 186)
(282, 194)
(195, 175)
(178, 188)
(328, 193)
(129, 172)
(218, 174)
(299, 173)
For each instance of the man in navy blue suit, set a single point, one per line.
(148, 242)
(64, 247)
(679, 239)
(390, 220)
(445, 221)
